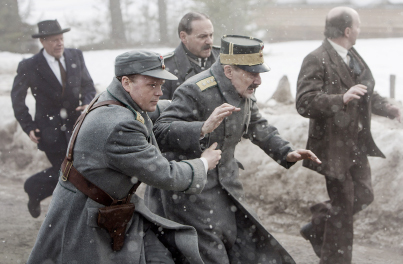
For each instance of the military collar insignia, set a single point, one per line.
(206, 83)
(139, 118)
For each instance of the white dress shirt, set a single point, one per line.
(54, 65)
(341, 51)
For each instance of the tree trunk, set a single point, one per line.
(162, 12)
(117, 27)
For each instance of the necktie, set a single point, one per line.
(63, 75)
(353, 64)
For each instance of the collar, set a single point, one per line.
(224, 84)
(50, 59)
(342, 51)
(116, 90)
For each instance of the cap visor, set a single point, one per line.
(161, 74)
(255, 68)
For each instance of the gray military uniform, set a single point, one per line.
(179, 64)
(228, 230)
(115, 147)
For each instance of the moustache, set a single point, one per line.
(206, 47)
(253, 86)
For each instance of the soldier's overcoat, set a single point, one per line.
(115, 147)
(177, 63)
(220, 210)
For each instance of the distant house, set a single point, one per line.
(287, 20)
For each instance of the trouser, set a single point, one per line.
(333, 220)
(41, 185)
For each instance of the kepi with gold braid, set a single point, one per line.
(244, 52)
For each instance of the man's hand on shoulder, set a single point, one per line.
(354, 93)
(302, 154)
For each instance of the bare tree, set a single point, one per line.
(117, 35)
(163, 28)
(14, 34)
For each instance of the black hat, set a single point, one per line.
(142, 62)
(244, 52)
(48, 28)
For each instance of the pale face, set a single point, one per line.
(200, 41)
(244, 82)
(145, 91)
(54, 45)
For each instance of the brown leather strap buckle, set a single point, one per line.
(64, 175)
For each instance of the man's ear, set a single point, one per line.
(125, 83)
(183, 36)
(228, 70)
(347, 31)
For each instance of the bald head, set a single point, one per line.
(338, 19)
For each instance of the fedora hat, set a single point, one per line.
(48, 28)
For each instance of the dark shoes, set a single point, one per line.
(316, 242)
(34, 207)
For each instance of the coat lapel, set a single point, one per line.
(46, 72)
(183, 62)
(71, 67)
(339, 65)
(365, 77)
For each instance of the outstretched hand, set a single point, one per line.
(217, 117)
(302, 154)
(394, 112)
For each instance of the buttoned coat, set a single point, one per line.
(113, 150)
(178, 134)
(55, 113)
(334, 134)
(177, 63)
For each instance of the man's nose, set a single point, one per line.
(209, 40)
(158, 92)
(257, 80)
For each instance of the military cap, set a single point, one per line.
(244, 52)
(48, 28)
(142, 62)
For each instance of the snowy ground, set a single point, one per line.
(281, 197)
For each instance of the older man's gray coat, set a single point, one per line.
(177, 63)
(115, 149)
(220, 210)
(334, 133)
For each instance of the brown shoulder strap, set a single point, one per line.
(76, 178)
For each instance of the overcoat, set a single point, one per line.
(114, 149)
(177, 63)
(335, 135)
(178, 134)
(55, 114)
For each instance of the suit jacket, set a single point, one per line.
(115, 148)
(337, 132)
(178, 134)
(54, 114)
(178, 64)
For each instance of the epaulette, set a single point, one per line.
(169, 55)
(206, 83)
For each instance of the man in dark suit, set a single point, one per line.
(335, 90)
(194, 54)
(62, 87)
